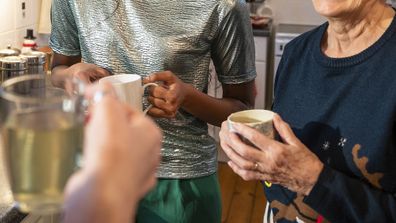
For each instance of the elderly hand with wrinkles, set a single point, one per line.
(288, 163)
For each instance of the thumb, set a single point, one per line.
(285, 132)
(166, 77)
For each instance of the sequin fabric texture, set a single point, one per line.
(145, 36)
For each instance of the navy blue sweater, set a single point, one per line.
(344, 110)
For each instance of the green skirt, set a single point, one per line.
(182, 201)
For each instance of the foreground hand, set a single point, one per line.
(86, 72)
(168, 97)
(290, 164)
(121, 152)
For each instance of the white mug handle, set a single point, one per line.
(144, 88)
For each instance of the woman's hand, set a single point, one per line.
(289, 163)
(121, 155)
(86, 72)
(168, 97)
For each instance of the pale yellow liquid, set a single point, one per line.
(42, 148)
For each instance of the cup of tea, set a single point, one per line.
(41, 134)
(259, 119)
(129, 89)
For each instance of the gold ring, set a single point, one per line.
(256, 165)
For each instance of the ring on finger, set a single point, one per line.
(256, 166)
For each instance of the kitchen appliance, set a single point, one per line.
(284, 34)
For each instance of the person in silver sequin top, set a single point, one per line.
(172, 43)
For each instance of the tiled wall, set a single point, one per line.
(13, 24)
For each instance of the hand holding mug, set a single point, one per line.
(168, 97)
(117, 138)
(87, 72)
(288, 163)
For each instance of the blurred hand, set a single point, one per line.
(168, 97)
(289, 163)
(86, 72)
(121, 152)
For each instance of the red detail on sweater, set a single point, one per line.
(319, 219)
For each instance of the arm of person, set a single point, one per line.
(214, 110)
(71, 66)
(65, 43)
(340, 198)
(334, 195)
(232, 51)
(176, 94)
(92, 199)
(117, 138)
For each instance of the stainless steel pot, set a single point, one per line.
(9, 51)
(12, 66)
(36, 62)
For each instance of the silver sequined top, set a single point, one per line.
(145, 36)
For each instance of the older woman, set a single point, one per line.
(336, 87)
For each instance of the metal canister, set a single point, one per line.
(36, 62)
(13, 66)
(9, 52)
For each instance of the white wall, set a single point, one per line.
(13, 25)
(294, 12)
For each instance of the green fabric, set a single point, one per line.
(194, 200)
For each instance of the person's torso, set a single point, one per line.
(344, 110)
(143, 37)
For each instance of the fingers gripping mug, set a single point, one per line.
(259, 119)
(129, 89)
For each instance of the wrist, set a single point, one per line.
(189, 94)
(315, 171)
(118, 203)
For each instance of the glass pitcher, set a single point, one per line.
(41, 130)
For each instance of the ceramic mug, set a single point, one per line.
(129, 89)
(259, 119)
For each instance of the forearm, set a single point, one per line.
(209, 109)
(340, 198)
(93, 202)
(59, 68)
(58, 75)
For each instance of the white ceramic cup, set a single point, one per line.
(129, 89)
(259, 119)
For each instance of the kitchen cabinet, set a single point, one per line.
(215, 90)
(261, 45)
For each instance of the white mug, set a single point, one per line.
(129, 89)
